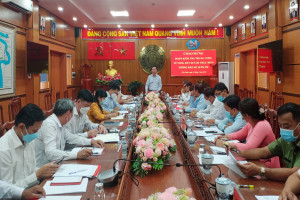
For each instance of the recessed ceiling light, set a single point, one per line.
(220, 25)
(74, 19)
(152, 25)
(123, 13)
(85, 26)
(119, 26)
(60, 9)
(230, 17)
(186, 25)
(246, 7)
(186, 12)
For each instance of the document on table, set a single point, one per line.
(110, 137)
(123, 111)
(219, 159)
(76, 170)
(66, 189)
(267, 197)
(233, 166)
(218, 150)
(205, 131)
(66, 180)
(118, 117)
(211, 138)
(96, 151)
(61, 198)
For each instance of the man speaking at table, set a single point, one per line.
(153, 82)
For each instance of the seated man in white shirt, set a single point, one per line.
(215, 108)
(10, 191)
(17, 156)
(185, 92)
(80, 121)
(119, 97)
(221, 92)
(109, 104)
(53, 136)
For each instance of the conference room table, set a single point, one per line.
(179, 177)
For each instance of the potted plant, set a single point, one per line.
(134, 86)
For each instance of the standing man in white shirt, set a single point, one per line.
(153, 82)
(17, 156)
(80, 121)
(10, 191)
(53, 136)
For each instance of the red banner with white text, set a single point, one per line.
(193, 63)
(158, 33)
(265, 60)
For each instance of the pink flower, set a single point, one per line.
(149, 123)
(157, 152)
(160, 146)
(138, 149)
(156, 136)
(171, 190)
(166, 195)
(144, 123)
(149, 167)
(166, 142)
(149, 153)
(171, 144)
(164, 153)
(144, 159)
(155, 159)
(145, 166)
(141, 143)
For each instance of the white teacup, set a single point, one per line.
(207, 160)
(223, 187)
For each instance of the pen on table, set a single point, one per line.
(246, 186)
(233, 149)
(77, 171)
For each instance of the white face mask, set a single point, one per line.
(84, 110)
(207, 102)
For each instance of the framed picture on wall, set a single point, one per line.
(293, 10)
(253, 27)
(264, 22)
(42, 25)
(243, 31)
(53, 29)
(235, 34)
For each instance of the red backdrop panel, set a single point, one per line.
(99, 50)
(265, 63)
(123, 50)
(193, 63)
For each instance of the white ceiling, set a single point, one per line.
(143, 13)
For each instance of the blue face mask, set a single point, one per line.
(29, 137)
(288, 135)
(227, 114)
(220, 98)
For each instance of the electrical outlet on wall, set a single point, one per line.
(29, 75)
(279, 80)
(73, 75)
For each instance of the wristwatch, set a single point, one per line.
(262, 172)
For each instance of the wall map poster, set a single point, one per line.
(7, 60)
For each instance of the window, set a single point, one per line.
(44, 81)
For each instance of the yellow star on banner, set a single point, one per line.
(122, 51)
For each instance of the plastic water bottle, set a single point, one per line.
(99, 192)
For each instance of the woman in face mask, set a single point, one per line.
(257, 133)
(96, 113)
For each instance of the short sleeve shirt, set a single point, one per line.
(289, 151)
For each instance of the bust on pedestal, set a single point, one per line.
(111, 71)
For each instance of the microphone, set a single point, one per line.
(186, 164)
(109, 177)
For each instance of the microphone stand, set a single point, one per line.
(182, 164)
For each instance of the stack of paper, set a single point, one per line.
(96, 151)
(123, 111)
(58, 180)
(66, 189)
(111, 137)
(218, 150)
(267, 197)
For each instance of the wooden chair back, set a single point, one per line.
(66, 94)
(279, 101)
(250, 94)
(6, 127)
(271, 116)
(48, 101)
(14, 107)
(1, 116)
(57, 95)
(241, 93)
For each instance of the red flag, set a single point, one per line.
(123, 50)
(99, 50)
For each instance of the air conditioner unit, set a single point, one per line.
(25, 6)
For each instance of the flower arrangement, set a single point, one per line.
(172, 193)
(154, 101)
(151, 97)
(150, 117)
(105, 80)
(152, 144)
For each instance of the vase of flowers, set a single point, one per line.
(105, 80)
